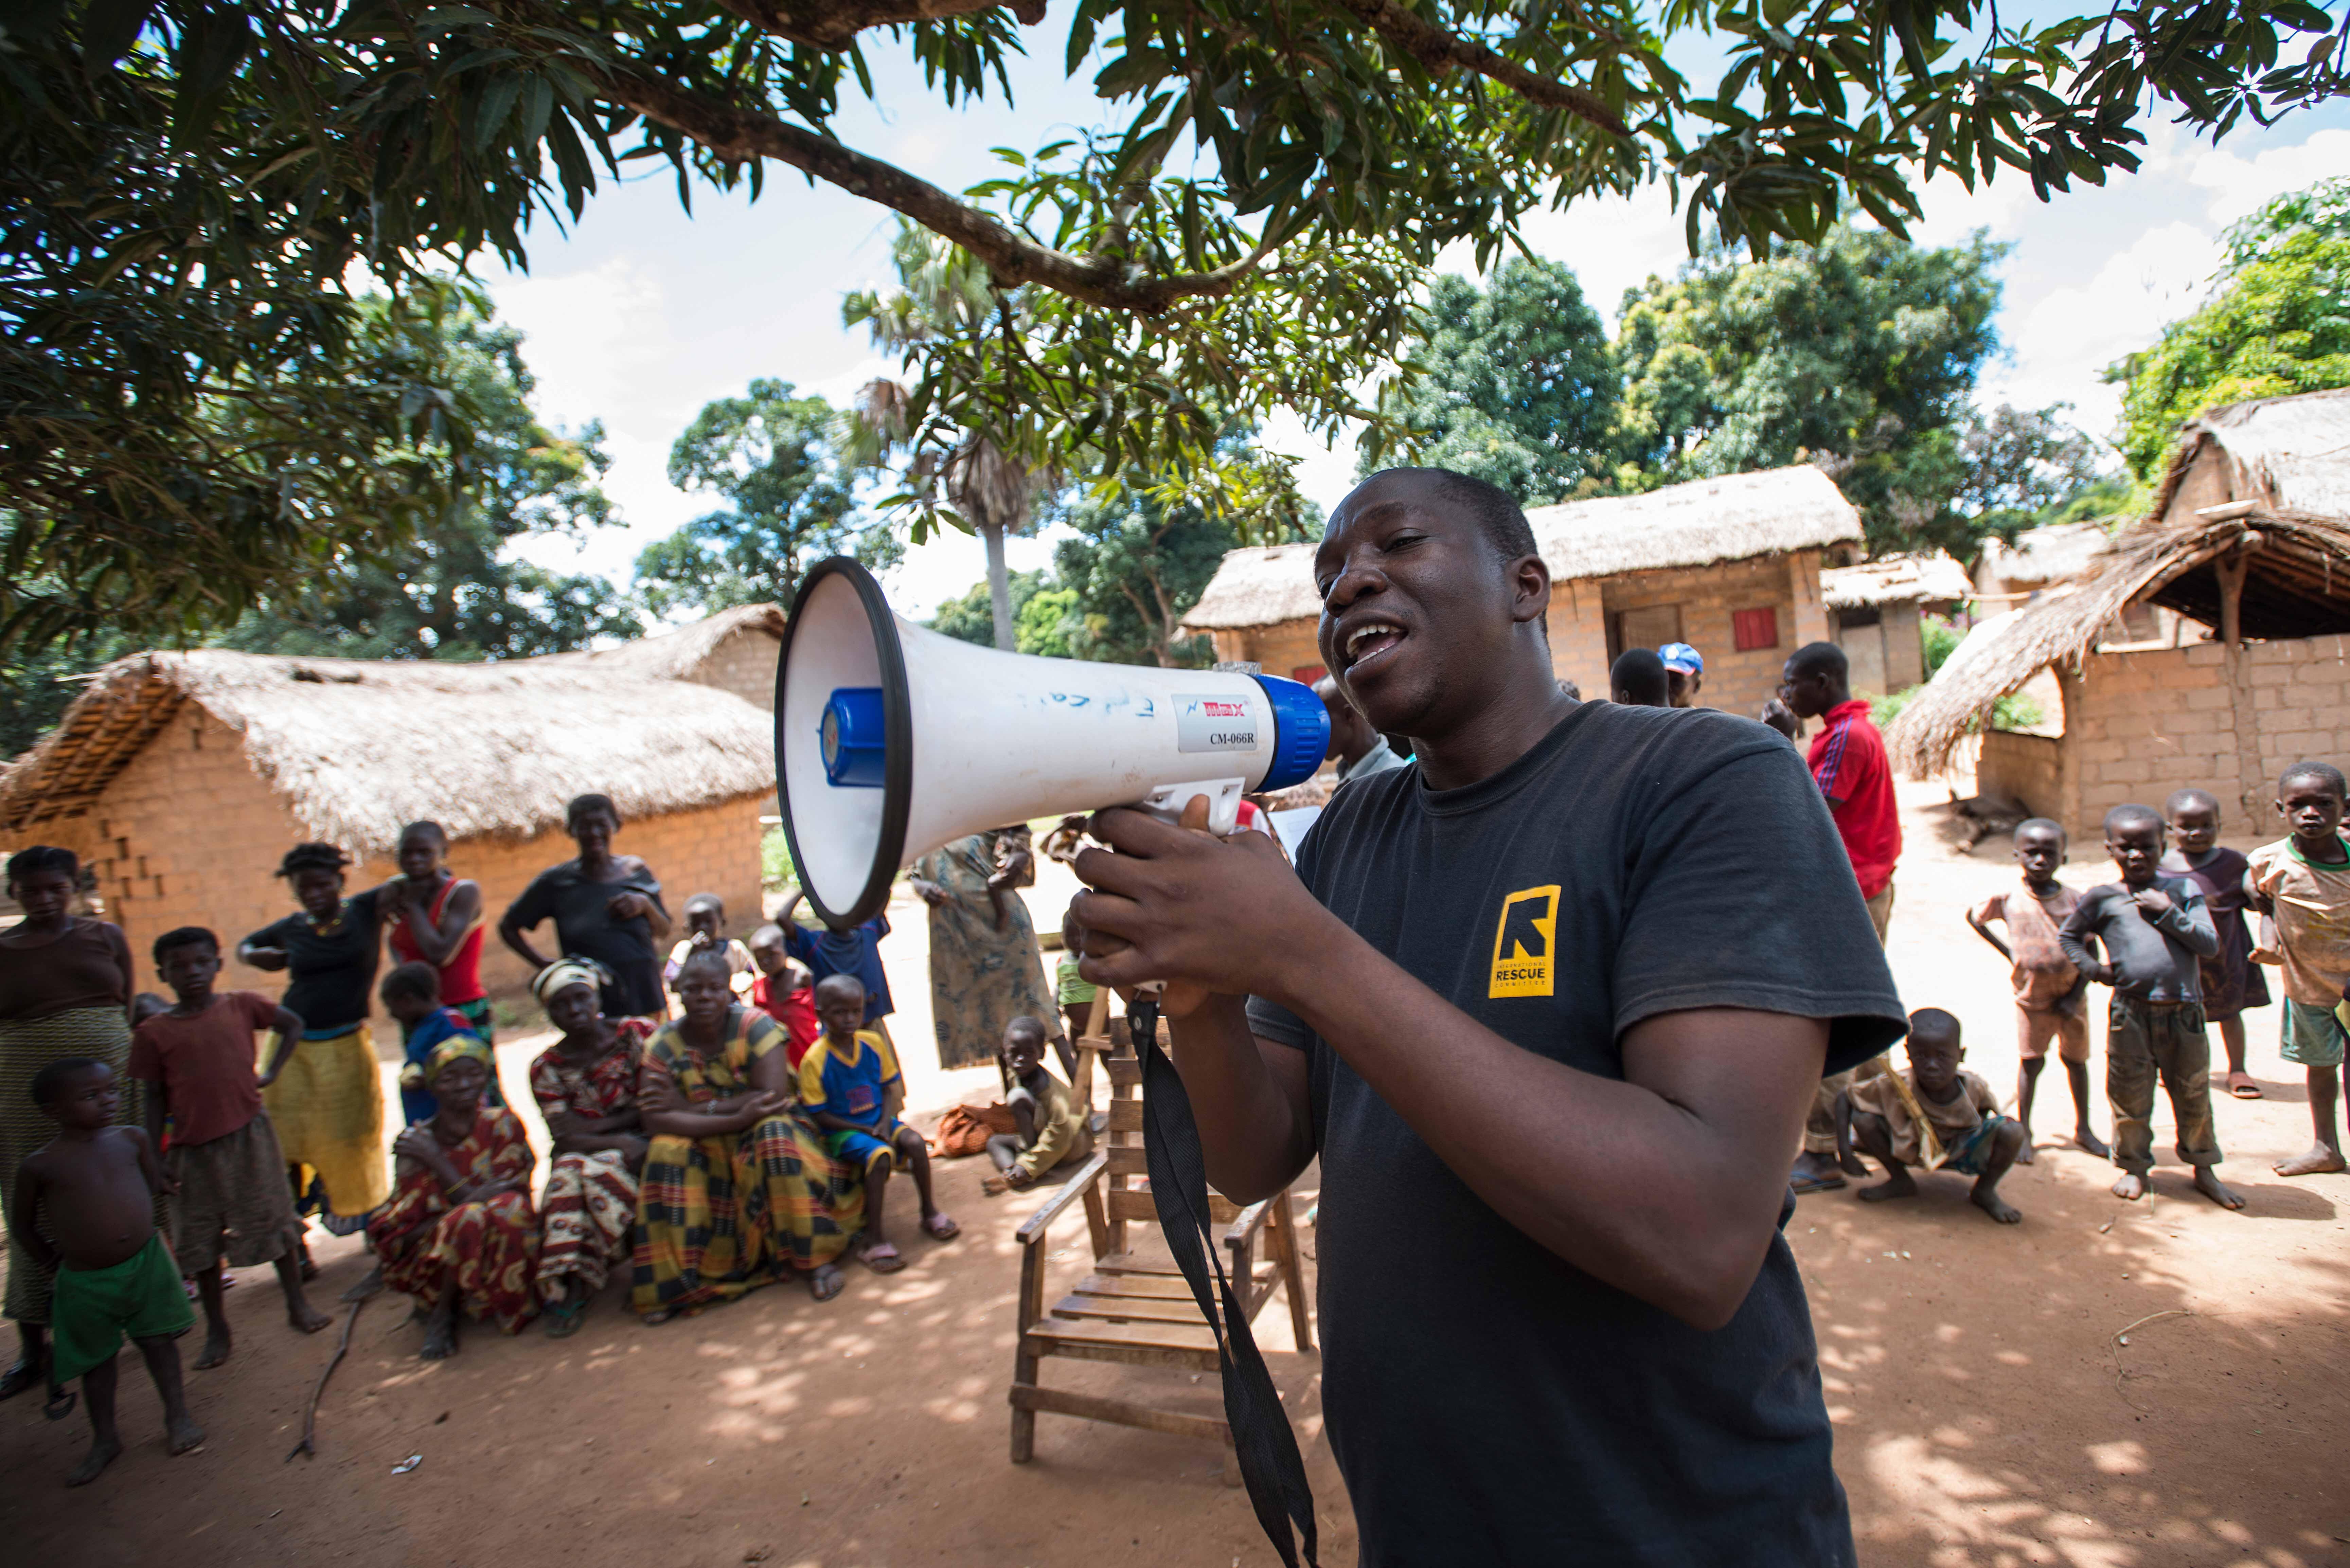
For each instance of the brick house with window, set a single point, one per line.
(180, 778)
(1729, 566)
(2247, 552)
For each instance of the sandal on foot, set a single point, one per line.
(2241, 1085)
(23, 1377)
(940, 1227)
(60, 1404)
(826, 1282)
(565, 1318)
(881, 1257)
(1802, 1184)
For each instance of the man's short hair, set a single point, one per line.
(51, 1080)
(1639, 674)
(2188, 799)
(2049, 823)
(2130, 814)
(184, 937)
(415, 979)
(2323, 773)
(1819, 658)
(1934, 1021)
(1494, 510)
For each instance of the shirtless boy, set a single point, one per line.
(1937, 1115)
(92, 1188)
(2051, 995)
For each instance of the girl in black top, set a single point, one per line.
(328, 1105)
(606, 906)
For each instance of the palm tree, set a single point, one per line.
(944, 295)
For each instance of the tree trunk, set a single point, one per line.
(999, 586)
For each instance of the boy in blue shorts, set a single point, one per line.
(849, 1083)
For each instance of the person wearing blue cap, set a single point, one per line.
(1684, 673)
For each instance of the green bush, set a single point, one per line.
(775, 868)
(1942, 640)
(2013, 712)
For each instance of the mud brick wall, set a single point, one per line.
(188, 834)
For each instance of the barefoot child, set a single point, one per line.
(2051, 995)
(2156, 935)
(85, 1205)
(785, 992)
(705, 927)
(850, 1085)
(2303, 882)
(1937, 1115)
(232, 1200)
(1053, 1131)
(2230, 982)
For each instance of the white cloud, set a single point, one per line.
(2242, 185)
(2070, 334)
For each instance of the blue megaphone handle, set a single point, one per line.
(1301, 731)
(853, 737)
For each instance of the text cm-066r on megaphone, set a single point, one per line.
(891, 740)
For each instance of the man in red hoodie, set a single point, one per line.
(1849, 764)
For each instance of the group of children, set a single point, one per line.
(2170, 939)
(459, 1229)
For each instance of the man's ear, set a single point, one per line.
(1530, 584)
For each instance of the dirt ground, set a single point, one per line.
(1990, 1408)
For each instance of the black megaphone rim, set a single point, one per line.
(898, 731)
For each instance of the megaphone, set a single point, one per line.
(892, 740)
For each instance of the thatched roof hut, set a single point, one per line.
(1928, 579)
(2251, 538)
(1730, 565)
(358, 748)
(181, 776)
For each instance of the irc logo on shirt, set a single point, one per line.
(1525, 942)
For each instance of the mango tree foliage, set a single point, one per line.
(2280, 324)
(1859, 354)
(1241, 231)
(779, 462)
(1515, 383)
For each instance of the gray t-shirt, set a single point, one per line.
(2152, 959)
(1488, 1401)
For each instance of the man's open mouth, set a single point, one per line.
(1370, 641)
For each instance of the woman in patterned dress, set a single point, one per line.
(737, 1188)
(458, 1231)
(65, 990)
(586, 1086)
(985, 967)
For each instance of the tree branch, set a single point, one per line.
(747, 135)
(835, 24)
(1439, 51)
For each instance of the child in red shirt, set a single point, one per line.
(231, 1199)
(784, 992)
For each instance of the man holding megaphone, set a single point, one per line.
(1550, 1006)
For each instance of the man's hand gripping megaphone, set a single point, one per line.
(1170, 902)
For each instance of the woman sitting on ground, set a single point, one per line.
(586, 1086)
(737, 1188)
(458, 1231)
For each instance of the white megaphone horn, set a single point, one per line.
(891, 740)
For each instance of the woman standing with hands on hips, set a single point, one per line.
(605, 906)
(65, 990)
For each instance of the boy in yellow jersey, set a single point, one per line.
(850, 1085)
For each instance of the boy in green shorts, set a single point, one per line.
(94, 1185)
(2303, 882)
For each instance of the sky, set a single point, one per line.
(640, 314)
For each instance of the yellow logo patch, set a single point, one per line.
(1525, 942)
